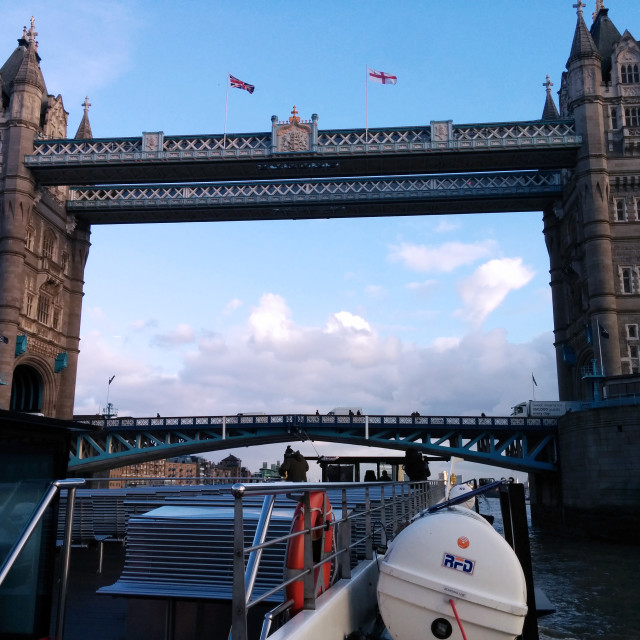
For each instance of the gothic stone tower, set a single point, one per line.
(42, 251)
(594, 238)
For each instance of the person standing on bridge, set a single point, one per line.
(295, 467)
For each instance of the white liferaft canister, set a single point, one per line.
(451, 559)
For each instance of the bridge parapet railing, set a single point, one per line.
(320, 420)
(330, 142)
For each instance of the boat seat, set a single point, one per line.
(186, 552)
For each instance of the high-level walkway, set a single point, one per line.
(439, 148)
(524, 444)
(441, 168)
(317, 198)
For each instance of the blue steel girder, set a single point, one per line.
(318, 198)
(356, 152)
(524, 444)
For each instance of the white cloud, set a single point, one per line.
(487, 287)
(231, 306)
(347, 320)
(144, 324)
(271, 321)
(182, 334)
(423, 289)
(445, 258)
(446, 344)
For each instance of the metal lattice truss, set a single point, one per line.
(339, 143)
(272, 196)
(523, 444)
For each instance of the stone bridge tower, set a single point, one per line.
(42, 251)
(594, 238)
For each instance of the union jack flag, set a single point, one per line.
(238, 84)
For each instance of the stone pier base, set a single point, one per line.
(597, 492)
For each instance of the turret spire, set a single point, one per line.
(583, 44)
(84, 130)
(550, 111)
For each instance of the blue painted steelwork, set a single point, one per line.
(524, 444)
(317, 198)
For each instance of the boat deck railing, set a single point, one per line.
(69, 485)
(366, 516)
(386, 508)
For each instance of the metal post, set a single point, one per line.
(516, 530)
(367, 525)
(383, 513)
(394, 510)
(66, 556)
(345, 540)
(239, 602)
(309, 578)
(405, 515)
(259, 537)
(169, 619)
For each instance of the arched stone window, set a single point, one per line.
(632, 117)
(629, 74)
(49, 244)
(44, 308)
(29, 237)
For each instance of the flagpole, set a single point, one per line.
(366, 105)
(226, 102)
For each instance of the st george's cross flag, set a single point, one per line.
(238, 84)
(382, 77)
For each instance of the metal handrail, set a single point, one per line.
(406, 499)
(47, 499)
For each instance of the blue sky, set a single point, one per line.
(446, 315)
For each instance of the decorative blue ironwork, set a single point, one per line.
(525, 444)
(342, 197)
(495, 136)
(61, 362)
(21, 345)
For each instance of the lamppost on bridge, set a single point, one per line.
(109, 411)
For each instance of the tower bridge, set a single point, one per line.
(578, 164)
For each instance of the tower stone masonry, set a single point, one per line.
(42, 251)
(593, 239)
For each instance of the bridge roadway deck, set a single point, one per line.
(353, 152)
(525, 444)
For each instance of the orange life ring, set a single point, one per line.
(321, 514)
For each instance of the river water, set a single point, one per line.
(594, 585)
